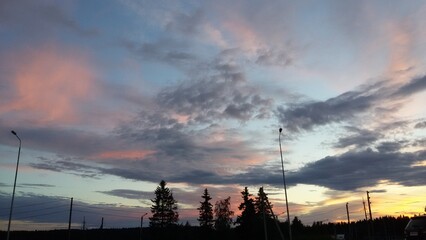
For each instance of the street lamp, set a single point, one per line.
(14, 185)
(285, 186)
(140, 233)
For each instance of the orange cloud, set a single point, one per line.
(49, 84)
(245, 35)
(400, 47)
(125, 154)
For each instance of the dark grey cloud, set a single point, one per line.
(377, 191)
(356, 169)
(391, 146)
(128, 193)
(306, 116)
(213, 99)
(55, 139)
(67, 164)
(414, 86)
(297, 117)
(358, 138)
(420, 125)
(420, 142)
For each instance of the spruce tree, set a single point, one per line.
(248, 212)
(164, 208)
(262, 205)
(206, 211)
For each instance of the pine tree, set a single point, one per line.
(223, 214)
(262, 205)
(206, 211)
(248, 212)
(164, 208)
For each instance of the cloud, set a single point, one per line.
(415, 85)
(68, 165)
(360, 138)
(128, 193)
(223, 93)
(420, 125)
(306, 116)
(381, 100)
(168, 50)
(40, 18)
(36, 185)
(274, 57)
(357, 169)
(49, 84)
(127, 154)
(214, 99)
(186, 23)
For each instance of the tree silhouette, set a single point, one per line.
(223, 214)
(206, 211)
(164, 208)
(248, 213)
(262, 205)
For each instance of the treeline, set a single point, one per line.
(385, 228)
(258, 221)
(255, 221)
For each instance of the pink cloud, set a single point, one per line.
(48, 85)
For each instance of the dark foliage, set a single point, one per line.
(223, 214)
(164, 208)
(206, 211)
(384, 228)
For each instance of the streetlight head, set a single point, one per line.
(281, 129)
(14, 133)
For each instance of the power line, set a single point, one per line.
(104, 214)
(118, 209)
(41, 215)
(29, 205)
(39, 209)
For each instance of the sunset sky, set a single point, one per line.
(110, 97)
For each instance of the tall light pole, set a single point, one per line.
(140, 232)
(285, 186)
(14, 185)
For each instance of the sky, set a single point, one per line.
(110, 97)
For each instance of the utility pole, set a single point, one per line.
(365, 210)
(366, 219)
(369, 205)
(69, 221)
(349, 221)
(102, 224)
(285, 186)
(84, 223)
(14, 184)
(275, 220)
(371, 215)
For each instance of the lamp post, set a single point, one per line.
(140, 233)
(14, 185)
(285, 186)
